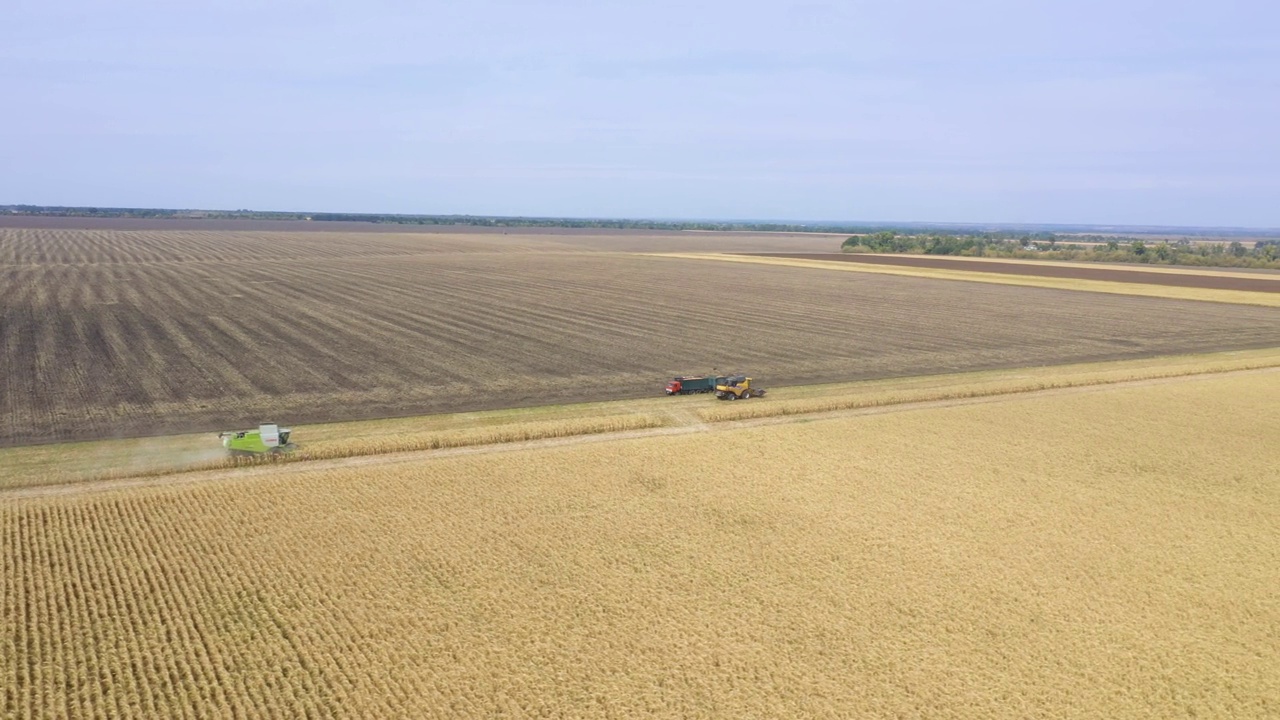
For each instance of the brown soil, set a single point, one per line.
(1212, 282)
(113, 333)
(174, 224)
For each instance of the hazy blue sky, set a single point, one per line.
(1085, 111)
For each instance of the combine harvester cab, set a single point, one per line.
(268, 439)
(738, 387)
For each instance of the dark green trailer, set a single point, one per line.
(687, 385)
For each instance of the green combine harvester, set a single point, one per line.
(268, 439)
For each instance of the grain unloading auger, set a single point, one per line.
(268, 439)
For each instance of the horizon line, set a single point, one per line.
(28, 209)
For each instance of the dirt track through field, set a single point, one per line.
(689, 424)
(1211, 282)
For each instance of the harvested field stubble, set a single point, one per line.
(154, 457)
(1026, 558)
(70, 464)
(117, 334)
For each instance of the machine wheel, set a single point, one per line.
(746, 395)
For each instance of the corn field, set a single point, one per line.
(1103, 554)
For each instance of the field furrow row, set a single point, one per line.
(980, 572)
(127, 333)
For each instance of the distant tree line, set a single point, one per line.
(472, 220)
(1058, 243)
(1049, 246)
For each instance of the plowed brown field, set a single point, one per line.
(114, 333)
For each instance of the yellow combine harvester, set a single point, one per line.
(738, 387)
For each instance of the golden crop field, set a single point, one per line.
(1100, 552)
(119, 333)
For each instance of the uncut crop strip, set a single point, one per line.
(516, 432)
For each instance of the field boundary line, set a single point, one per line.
(1232, 297)
(1205, 270)
(728, 425)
